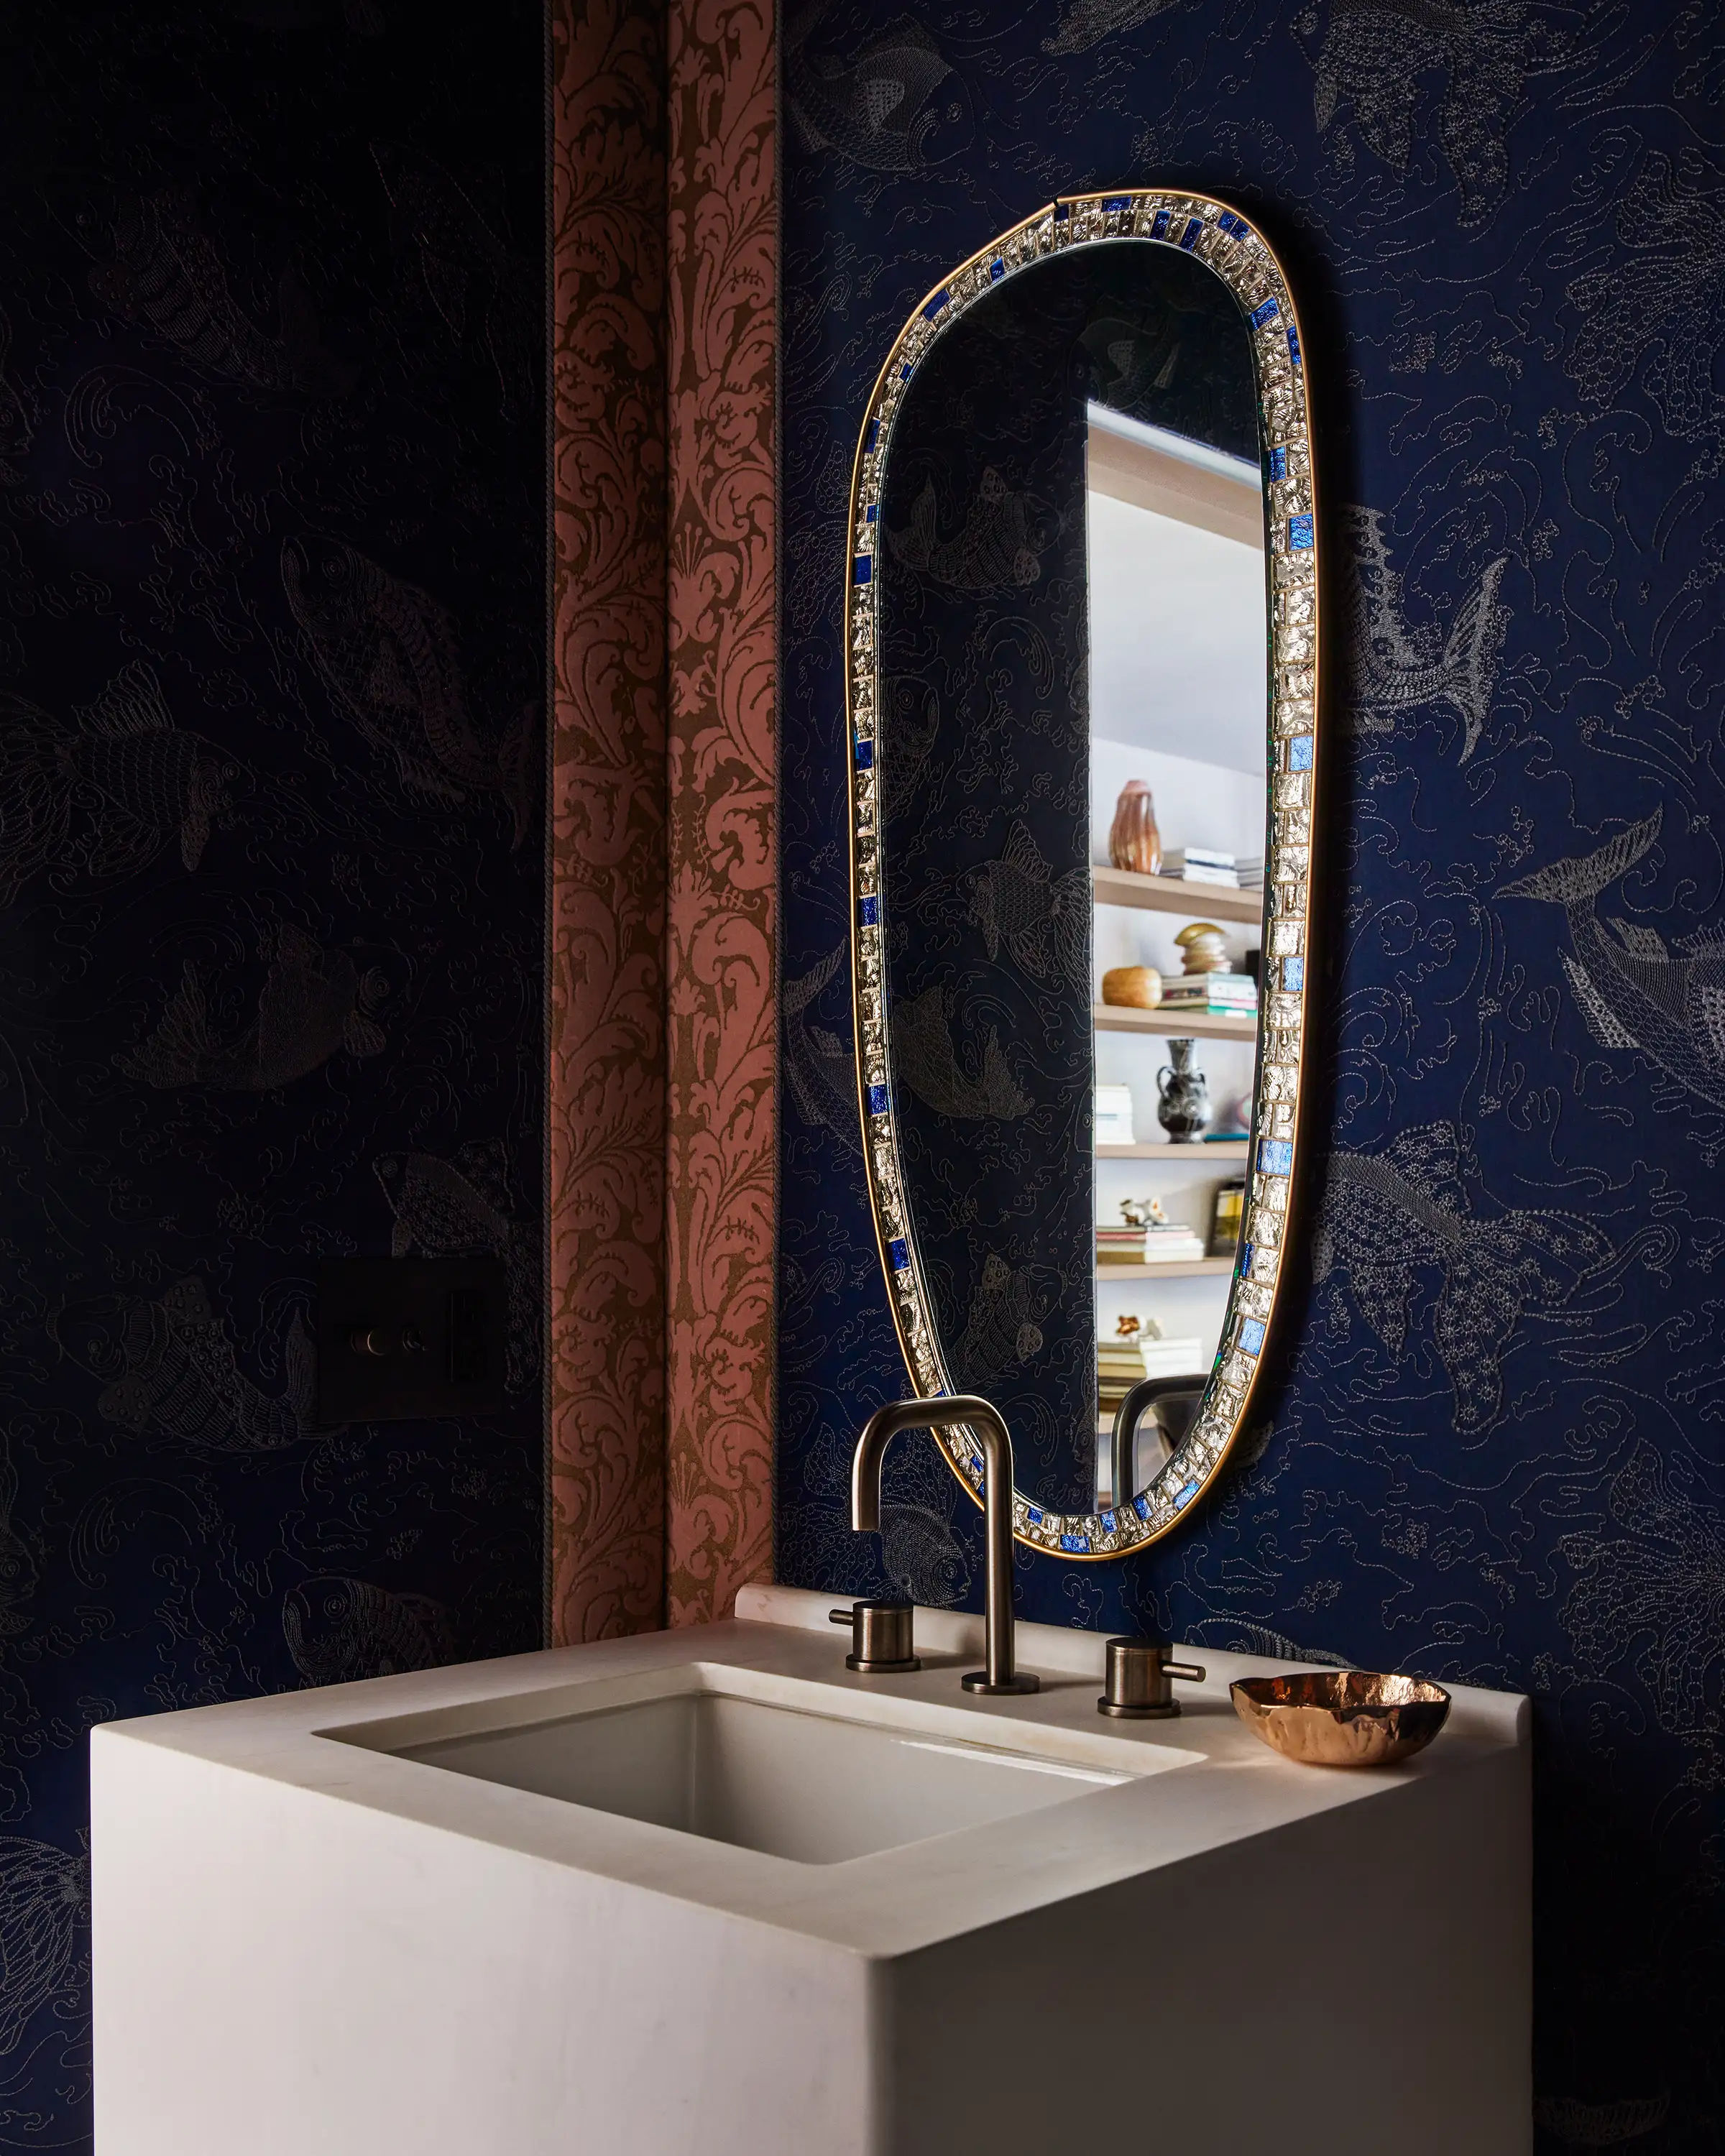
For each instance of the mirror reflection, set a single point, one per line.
(1069, 570)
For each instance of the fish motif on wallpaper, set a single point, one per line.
(387, 652)
(171, 1368)
(925, 1058)
(45, 1928)
(1661, 300)
(1086, 22)
(1043, 920)
(895, 106)
(1651, 1595)
(1396, 668)
(460, 1208)
(1003, 1327)
(820, 1065)
(1386, 1219)
(340, 1629)
(1377, 56)
(1631, 990)
(995, 549)
(158, 265)
(314, 1005)
(478, 286)
(102, 794)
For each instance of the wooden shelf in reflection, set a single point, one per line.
(1169, 1269)
(1172, 1026)
(1188, 1155)
(1196, 902)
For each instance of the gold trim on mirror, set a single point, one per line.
(1229, 245)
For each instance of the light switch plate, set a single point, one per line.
(400, 1338)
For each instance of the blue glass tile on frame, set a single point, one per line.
(935, 305)
(1188, 237)
(1185, 1497)
(1251, 1335)
(1278, 464)
(1158, 225)
(1265, 313)
(865, 755)
(1079, 1545)
(1108, 1522)
(1114, 205)
(899, 1251)
(1245, 1260)
(1141, 1506)
(1300, 750)
(874, 436)
(871, 514)
(877, 1099)
(997, 270)
(1293, 344)
(1293, 975)
(1063, 211)
(868, 909)
(906, 371)
(1300, 534)
(865, 569)
(1276, 1156)
(1033, 1513)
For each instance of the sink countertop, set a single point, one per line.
(892, 1902)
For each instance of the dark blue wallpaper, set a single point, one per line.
(271, 683)
(1493, 1449)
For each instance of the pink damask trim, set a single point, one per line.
(607, 1093)
(722, 1150)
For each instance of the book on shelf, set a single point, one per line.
(1113, 1116)
(1210, 987)
(1196, 872)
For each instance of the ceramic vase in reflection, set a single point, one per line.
(1183, 1097)
(1134, 842)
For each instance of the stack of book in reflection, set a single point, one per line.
(1114, 1116)
(1213, 995)
(1148, 1237)
(1201, 865)
(1137, 1351)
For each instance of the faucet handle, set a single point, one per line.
(1135, 1683)
(882, 1640)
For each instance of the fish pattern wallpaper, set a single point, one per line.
(272, 667)
(1493, 1450)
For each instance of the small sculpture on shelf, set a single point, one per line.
(1183, 1103)
(1132, 987)
(1203, 948)
(1134, 842)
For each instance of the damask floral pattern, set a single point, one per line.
(722, 323)
(607, 1092)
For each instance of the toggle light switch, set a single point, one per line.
(399, 1338)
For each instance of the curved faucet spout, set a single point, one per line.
(984, 1420)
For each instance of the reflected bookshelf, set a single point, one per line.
(1155, 893)
(1181, 1025)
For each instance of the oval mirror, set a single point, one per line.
(1083, 623)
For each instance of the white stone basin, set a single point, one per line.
(709, 1894)
(708, 1753)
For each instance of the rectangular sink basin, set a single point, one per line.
(701, 1756)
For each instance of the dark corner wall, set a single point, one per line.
(272, 666)
(1494, 1453)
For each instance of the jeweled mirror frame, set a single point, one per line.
(1232, 247)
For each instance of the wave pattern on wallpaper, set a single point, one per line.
(1494, 1452)
(271, 727)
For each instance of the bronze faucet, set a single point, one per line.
(984, 1420)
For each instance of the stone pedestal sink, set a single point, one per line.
(706, 1892)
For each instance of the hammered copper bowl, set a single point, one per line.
(1342, 1718)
